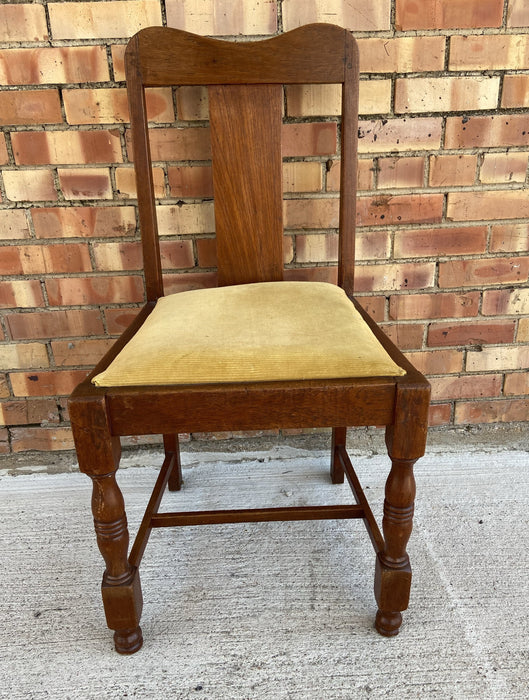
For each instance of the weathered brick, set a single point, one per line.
(30, 107)
(85, 183)
(22, 22)
(302, 177)
(452, 170)
(55, 324)
(184, 219)
(207, 252)
(109, 105)
(506, 301)
(72, 64)
(507, 238)
(185, 282)
(496, 52)
(23, 356)
(13, 224)
(118, 61)
(504, 167)
(441, 242)
(312, 274)
(83, 222)
(516, 384)
(86, 352)
(365, 175)
(515, 92)
(83, 291)
(499, 411)
(406, 336)
(487, 271)
(466, 387)
(42, 259)
(128, 256)
(169, 144)
(66, 147)
(419, 134)
(192, 103)
(315, 139)
(485, 205)
(351, 14)
(394, 276)
(4, 388)
(126, 182)
(437, 361)
(190, 181)
(471, 333)
(117, 320)
(101, 20)
(523, 331)
(394, 209)
(29, 185)
(437, 305)
(47, 383)
(402, 55)
(21, 294)
(4, 156)
(216, 19)
(517, 13)
(26, 411)
(491, 131)
(322, 100)
(400, 172)
(439, 414)
(446, 94)
(448, 14)
(374, 305)
(41, 439)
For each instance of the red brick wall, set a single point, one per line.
(443, 211)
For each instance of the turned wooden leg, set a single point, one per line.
(339, 436)
(172, 448)
(393, 571)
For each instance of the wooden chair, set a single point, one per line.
(226, 358)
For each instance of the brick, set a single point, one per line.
(372, 245)
(30, 107)
(438, 305)
(312, 274)
(109, 105)
(365, 175)
(394, 209)
(517, 13)
(471, 387)
(85, 183)
(29, 185)
(498, 358)
(323, 100)
(102, 20)
(491, 131)
(471, 273)
(21, 294)
(499, 411)
(118, 61)
(128, 256)
(186, 219)
(24, 412)
(317, 248)
(4, 389)
(523, 331)
(22, 22)
(506, 238)
(4, 155)
(439, 414)
(495, 52)
(485, 205)
(117, 320)
(419, 134)
(186, 282)
(55, 324)
(400, 172)
(126, 183)
(41, 439)
(13, 224)
(441, 242)
(94, 290)
(515, 92)
(446, 94)
(452, 170)
(506, 301)
(206, 252)
(516, 384)
(190, 181)
(406, 336)
(402, 55)
(41, 259)
(351, 14)
(374, 305)
(315, 139)
(83, 222)
(471, 333)
(74, 64)
(448, 14)
(192, 103)
(437, 361)
(169, 144)
(80, 352)
(302, 177)
(503, 167)
(216, 19)
(23, 356)
(394, 276)
(66, 147)
(47, 383)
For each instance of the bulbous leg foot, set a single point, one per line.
(388, 623)
(128, 641)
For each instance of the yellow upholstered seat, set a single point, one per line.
(267, 331)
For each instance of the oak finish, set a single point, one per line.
(245, 94)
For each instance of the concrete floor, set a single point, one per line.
(272, 611)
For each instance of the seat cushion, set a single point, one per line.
(266, 331)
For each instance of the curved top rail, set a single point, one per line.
(315, 53)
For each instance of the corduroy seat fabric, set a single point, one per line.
(252, 332)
